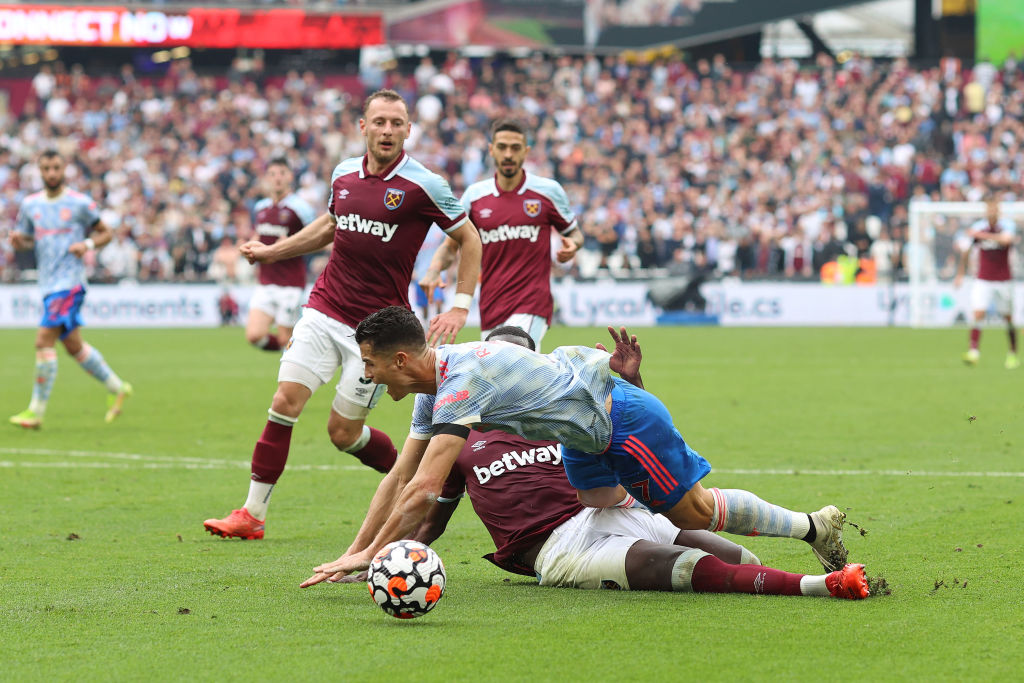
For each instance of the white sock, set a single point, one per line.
(358, 444)
(814, 585)
(259, 499)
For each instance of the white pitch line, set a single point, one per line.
(7, 464)
(862, 473)
(142, 461)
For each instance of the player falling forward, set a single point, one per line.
(993, 285)
(612, 434)
(63, 225)
(520, 492)
(379, 211)
(278, 297)
(515, 213)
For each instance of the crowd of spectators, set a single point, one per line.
(767, 170)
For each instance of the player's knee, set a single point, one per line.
(254, 337)
(289, 399)
(693, 511)
(344, 434)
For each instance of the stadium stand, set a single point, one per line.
(769, 170)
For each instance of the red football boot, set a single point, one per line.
(239, 524)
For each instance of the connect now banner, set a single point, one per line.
(198, 27)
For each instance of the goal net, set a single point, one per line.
(931, 255)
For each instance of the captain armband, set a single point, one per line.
(461, 431)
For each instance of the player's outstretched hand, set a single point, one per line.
(626, 356)
(361, 577)
(255, 251)
(346, 564)
(444, 327)
(568, 250)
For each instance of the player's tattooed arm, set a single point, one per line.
(444, 257)
(571, 243)
(626, 356)
(312, 237)
(445, 327)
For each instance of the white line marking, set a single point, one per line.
(862, 473)
(142, 461)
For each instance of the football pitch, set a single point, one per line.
(107, 573)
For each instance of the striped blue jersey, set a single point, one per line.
(497, 385)
(56, 224)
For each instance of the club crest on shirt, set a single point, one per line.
(531, 207)
(393, 198)
(65, 214)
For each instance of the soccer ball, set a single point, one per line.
(406, 578)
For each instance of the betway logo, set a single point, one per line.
(271, 230)
(513, 459)
(503, 233)
(357, 223)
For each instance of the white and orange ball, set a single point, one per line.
(406, 578)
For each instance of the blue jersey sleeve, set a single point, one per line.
(90, 213)
(461, 399)
(422, 417)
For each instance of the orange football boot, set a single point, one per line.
(239, 524)
(849, 582)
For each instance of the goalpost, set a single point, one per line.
(931, 253)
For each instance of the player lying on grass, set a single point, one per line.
(539, 526)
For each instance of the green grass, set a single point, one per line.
(106, 606)
(999, 24)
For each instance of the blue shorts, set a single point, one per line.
(647, 454)
(421, 295)
(63, 309)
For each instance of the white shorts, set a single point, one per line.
(283, 304)
(533, 325)
(319, 346)
(589, 550)
(997, 294)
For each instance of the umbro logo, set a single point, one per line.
(486, 213)
(479, 445)
(343, 194)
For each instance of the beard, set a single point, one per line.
(509, 171)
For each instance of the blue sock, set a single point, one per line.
(741, 512)
(92, 362)
(46, 375)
